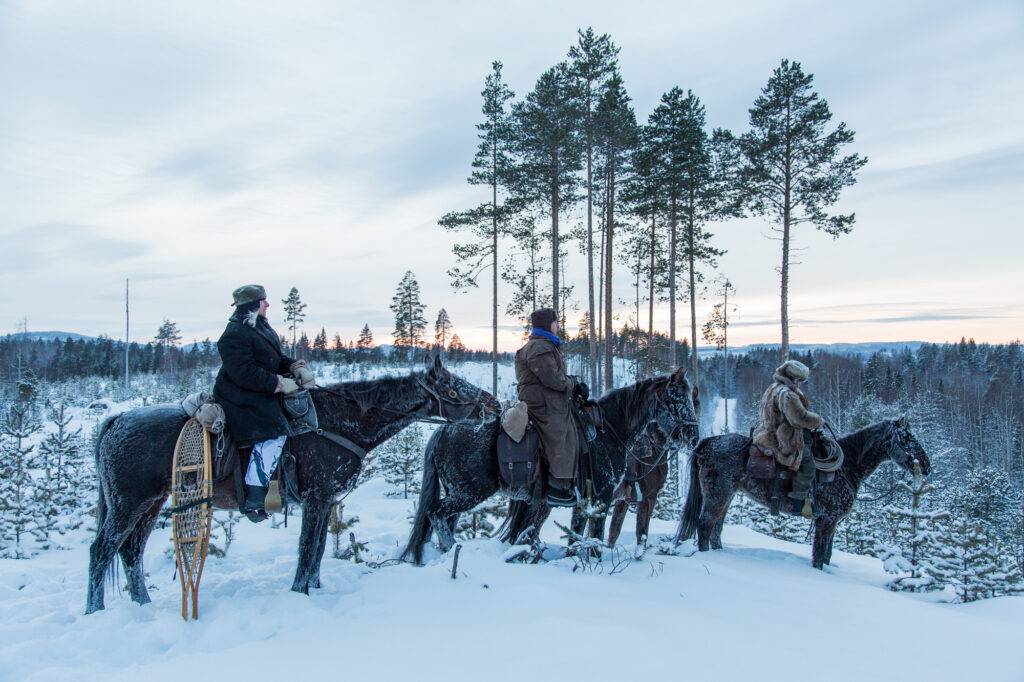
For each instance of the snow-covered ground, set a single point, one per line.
(755, 610)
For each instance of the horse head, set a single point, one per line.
(682, 402)
(451, 397)
(904, 448)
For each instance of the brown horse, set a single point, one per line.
(647, 476)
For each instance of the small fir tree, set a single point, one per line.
(401, 460)
(20, 515)
(408, 309)
(294, 313)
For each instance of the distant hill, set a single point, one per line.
(866, 348)
(50, 336)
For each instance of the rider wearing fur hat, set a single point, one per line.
(785, 415)
(253, 370)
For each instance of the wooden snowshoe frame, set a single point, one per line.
(192, 513)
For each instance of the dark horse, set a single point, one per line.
(463, 457)
(134, 452)
(716, 473)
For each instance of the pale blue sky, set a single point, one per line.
(197, 146)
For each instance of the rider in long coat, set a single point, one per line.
(252, 373)
(547, 391)
(785, 416)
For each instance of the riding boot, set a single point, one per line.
(562, 493)
(255, 495)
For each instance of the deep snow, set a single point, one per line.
(755, 610)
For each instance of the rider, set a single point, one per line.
(252, 371)
(786, 422)
(547, 391)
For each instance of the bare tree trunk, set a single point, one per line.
(672, 282)
(554, 243)
(494, 269)
(650, 303)
(601, 340)
(609, 331)
(725, 346)
(784, 318)
(693, 300)
(592, 328)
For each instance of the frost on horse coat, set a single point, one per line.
(718, 463)
(134, 452)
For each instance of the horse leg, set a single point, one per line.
(716, 532)
(618, 516)
(644, 512)
(596, 526)
(132, 549)
(110, 535)
(445, 516)
(312, 539)
(824, 532)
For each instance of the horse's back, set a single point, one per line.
(465, 450)
(137, 446)
(721, 448)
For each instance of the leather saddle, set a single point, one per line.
(762, 466)
(230, 460)
(518, 461)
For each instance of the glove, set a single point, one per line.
(583, 391)
(303, 376)
(286, 385)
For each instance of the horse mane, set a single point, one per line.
(367, 393)
(625, 406)
(862, 440)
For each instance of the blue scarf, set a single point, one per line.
(545, 334)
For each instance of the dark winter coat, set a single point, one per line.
(547, 389)
(785, 414)
(252, 359)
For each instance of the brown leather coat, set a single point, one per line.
(547, 389)
(784, 416)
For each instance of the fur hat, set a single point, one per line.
(543, 318)
(794, 370)
(248, 293)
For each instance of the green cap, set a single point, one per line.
(247, 293)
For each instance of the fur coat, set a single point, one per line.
(784, 416)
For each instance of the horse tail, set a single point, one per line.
(430, 496)
(101, 502)
(102, 507)
(694, 502)
(516, 521)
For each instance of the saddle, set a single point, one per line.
(762, 466)
(519, 446)
(229, 460)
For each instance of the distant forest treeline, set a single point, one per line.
(63, 359)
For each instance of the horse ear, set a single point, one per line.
(695, 395)
(428, 362)
(903, 421)
(678, 376)
(438, 366)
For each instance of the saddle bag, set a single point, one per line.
(760, 466)
(301, 414)
(517, 461)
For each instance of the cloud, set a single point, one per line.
(62, 245)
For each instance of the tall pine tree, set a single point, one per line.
(792, 169)
(549, 150)
(493, 166)
(592, 60)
